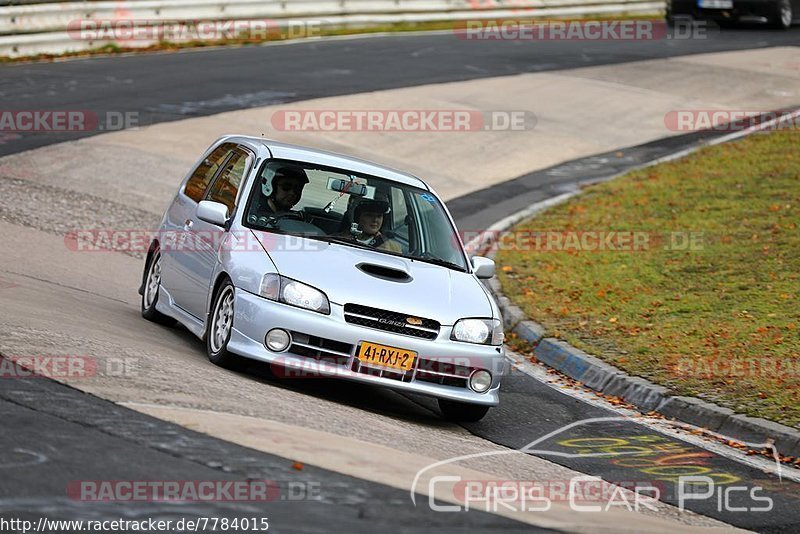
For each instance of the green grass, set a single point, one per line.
(714, 322)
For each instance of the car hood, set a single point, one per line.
(354, 275)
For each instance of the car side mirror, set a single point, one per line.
(483, 267)
(212, 212)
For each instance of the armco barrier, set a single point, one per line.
(41, 28)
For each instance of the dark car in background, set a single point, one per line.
(777, 13)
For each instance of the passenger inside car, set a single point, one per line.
(368, 224)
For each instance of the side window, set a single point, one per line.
(202, 175)
(226, 187)
(436, 234)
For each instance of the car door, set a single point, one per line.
(176, 245)
(198, 267)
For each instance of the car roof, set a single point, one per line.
(331, 159)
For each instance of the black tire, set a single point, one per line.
(220, 326)
(782, 19)
(152, 282)
(462, 412)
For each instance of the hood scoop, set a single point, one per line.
(384, 273)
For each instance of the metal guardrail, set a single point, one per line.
(45, 27)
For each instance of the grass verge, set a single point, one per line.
(704, 297)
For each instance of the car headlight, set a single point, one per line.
(481, 331)
(281, 289)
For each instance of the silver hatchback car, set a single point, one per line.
(325, 265)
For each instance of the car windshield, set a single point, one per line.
(354, 210)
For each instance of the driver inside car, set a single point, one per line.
(284, 190)
(368, 221)
(281, 190)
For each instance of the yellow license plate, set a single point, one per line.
(374, 354)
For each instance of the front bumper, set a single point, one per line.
(336, 343)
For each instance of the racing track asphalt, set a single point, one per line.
(50, 432)
(172, 86)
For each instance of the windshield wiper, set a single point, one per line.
(354, 243)
(443, 263)
(342, 240)
(336, 238)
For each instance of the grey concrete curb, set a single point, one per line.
(646, 396)
(607, 379)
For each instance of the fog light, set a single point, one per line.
(278, 340)
(480, 381)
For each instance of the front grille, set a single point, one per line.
(382, 372)
(433, 371)
(444, 373)
(320, 348)
(390, 321)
